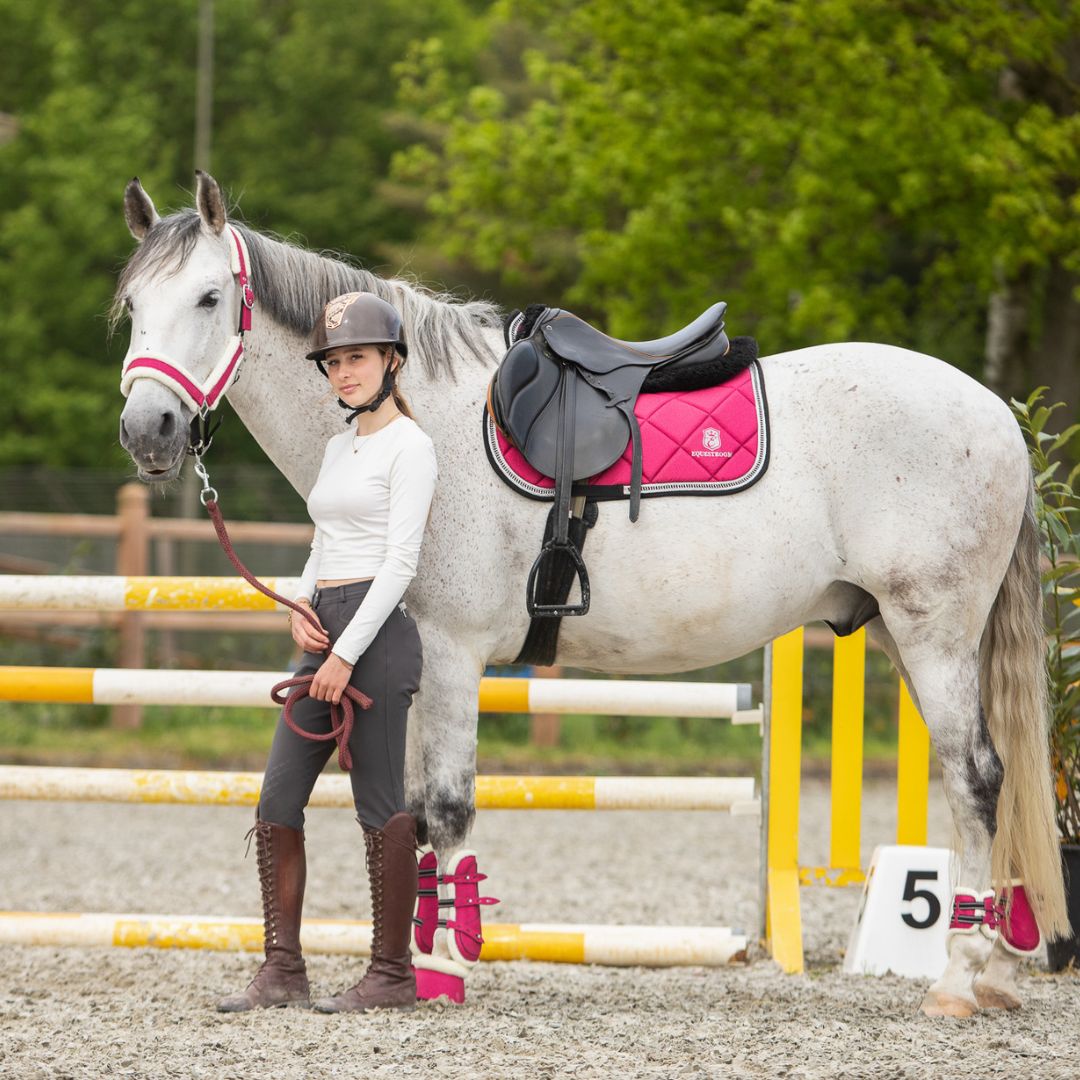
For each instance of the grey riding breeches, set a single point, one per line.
(388, 671)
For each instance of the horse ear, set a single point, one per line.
(208, 199)
(139, 211)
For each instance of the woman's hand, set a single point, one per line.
(331, 679)
(305, 635)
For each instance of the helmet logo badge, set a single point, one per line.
(335, 310)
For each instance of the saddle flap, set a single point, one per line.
(525, 405)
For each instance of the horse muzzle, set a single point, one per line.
(154, 431)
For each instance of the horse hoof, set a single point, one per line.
(990, 997)
(948, 1005)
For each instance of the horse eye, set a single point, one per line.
(128, 304)
(209, 300)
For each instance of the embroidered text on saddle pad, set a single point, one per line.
(696, 442)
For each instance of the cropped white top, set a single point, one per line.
(370, 506)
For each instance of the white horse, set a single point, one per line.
(898, 493)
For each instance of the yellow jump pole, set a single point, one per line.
(783, 919)
(912, 773)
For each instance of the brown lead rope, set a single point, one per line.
(341, 716)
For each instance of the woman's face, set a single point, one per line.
(355, 371)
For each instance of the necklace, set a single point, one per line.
(357, 439)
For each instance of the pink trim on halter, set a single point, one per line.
(247, 297)
(174, 373)
(226, 378)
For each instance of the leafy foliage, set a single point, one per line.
(836, 169)
(304, 128)
(1057, 508)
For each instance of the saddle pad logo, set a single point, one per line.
(710, 439)
(335, 310)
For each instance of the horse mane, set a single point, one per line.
(293, 285)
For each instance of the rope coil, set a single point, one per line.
(341, 715)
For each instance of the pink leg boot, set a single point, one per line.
(437, 977)
(463, 898)
(426, 921)
(1016, 921)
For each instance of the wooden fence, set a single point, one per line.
(138, 535)
(142, 540)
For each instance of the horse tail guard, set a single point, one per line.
(1016, 702)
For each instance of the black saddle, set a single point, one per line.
(564, 395)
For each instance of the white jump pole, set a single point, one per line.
(143, 686)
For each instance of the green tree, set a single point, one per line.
(836, 169)
(93, 92)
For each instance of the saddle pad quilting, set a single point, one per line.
(699, 442)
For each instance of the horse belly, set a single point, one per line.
(694, 582)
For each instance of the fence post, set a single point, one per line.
(132, 558)
(165, 565)
(544, 728)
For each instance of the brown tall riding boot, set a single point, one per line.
(389, 982)
(282, 977)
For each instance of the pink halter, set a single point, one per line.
(203, 396)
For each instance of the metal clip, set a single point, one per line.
(200, 471)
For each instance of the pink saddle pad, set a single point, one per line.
(695, 442)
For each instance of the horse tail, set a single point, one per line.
(1016, 702)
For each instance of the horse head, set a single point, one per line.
(185, 291)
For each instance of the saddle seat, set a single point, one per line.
(592, 350)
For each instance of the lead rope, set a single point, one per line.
(341, 715)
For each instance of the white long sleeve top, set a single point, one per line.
(370, 506)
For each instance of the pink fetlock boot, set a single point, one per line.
(1016, 921)
(437, 977)
(426, 921)
(462, 879)
(973, 912)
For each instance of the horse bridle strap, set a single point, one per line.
(201, 395)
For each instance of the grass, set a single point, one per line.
(238, 738)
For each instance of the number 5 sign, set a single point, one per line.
(903, 914)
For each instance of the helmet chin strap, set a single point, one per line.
(376, 401)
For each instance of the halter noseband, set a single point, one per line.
(202, 397)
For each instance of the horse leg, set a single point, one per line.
(414, 771)
(446, 715)
(945, 682)
(995, 985)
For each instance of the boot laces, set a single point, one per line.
(265, 864)
(374, 853)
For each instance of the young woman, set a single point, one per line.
(370, 506)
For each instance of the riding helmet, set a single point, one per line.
(357, 318)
